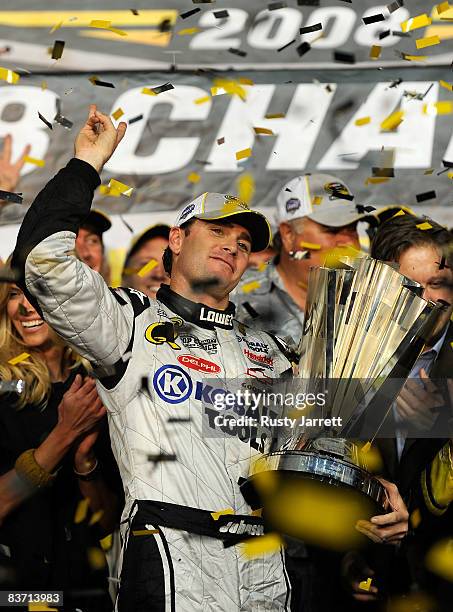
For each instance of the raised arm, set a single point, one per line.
(73, 299)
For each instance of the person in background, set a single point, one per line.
(143, 268)
(59, 485)
(9, 171)
(416, 458)
(315, 215)
(89, 244)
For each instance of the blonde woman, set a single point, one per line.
(54, 453)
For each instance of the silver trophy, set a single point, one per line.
(365, 325)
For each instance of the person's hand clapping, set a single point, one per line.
(80, 409)
(97, 140)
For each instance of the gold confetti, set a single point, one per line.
(400, 213)
(152, 263)
(446, 85)
(121, 188)
(376, 180)
(424, 226)
(32, 160)
(19, 358)
(118, 113)
(392, 121)
(365, 585)
(194, 178)
(429, 41)
(275, 116)
(441, 8)
(106, 25)
(57, 26)
(248, 287)
(188, 31)
(260, 130)
(246, 187)
(317, 200)
(144, 532)
(216, 515)
(96, 517)
(429, 171)
(415, 518)
(149, 92)
(81, 511)
(310, 245)
(362, 121)
(244, 81)
(262, 266)
(438, 108)
(375, 52)
(107, 542)
(202, 100)
(366, 447)
(96, 558)
(44, 85)
(40, 607)
(243, 154)
(420, 21)
(414, 58)
(9, 76)
(230, 87)
(439, 559)
(262, 545)
(105, 190)
(450, 175)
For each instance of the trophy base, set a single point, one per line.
(297, 487)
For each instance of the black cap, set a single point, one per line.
(154, 231)
(98, 221)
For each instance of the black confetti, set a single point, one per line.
(9, 196)
(395, 6)
(341, 195)
(135, 119)
(165, 26)
(303, 48)
(134, 11)
(220, 140)
(64, 121)
(203, 1)
(287, 45)
(364, 209)
(44, 120)
(179, 420)
(395, 83)
(273, 6)
(401, 34)
(346, 58)
(288, 189)
(57, 50)
(447, 164)
(427, 195)
(190, 13)
(237, 52)
(383, 172)
(373, 18)
(162, 88)
(126, 224)
(221, 14)
(313, 28)
(251, 311)
(308, 2)
(384, 34)
(102, 83)
(442, 264)
(161, 457)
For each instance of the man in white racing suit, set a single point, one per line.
(161, 365)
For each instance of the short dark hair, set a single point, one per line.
(400, 233)
(167, 257)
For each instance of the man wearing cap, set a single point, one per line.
(89, 246)
(143, 267)
(162, 364)
(315, 214)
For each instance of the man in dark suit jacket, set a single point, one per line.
(423, 409)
